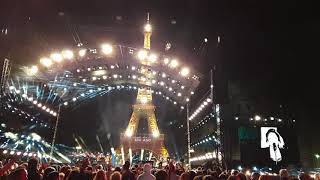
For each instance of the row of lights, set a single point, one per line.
(19, 153)
(118, 87)
(206, 139)
(205, 103)
(206, 156)
(27, 115)
(144, 55)
(202, 122)
(106, 49)
(35, 102)
(258, 118)
(99, 71)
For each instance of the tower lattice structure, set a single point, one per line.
(144, 109)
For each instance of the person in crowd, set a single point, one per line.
(19, 174)
(304, 176)
(126, 173)
(146, 175)
(284, 175)
(100, 175)
(61, 176)
(184, 176)
(317, 176)
(207, 177)
(108, 171)
(74, 175)
(46, 172)
(54, 175)
(172, 172)
(32, 168)
(115, 176)
(161, 175)
(255, 176)
(192, 174)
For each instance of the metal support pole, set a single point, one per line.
(55, 134)
(188, 134)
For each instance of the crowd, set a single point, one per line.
(84, 171)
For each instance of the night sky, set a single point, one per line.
(271, 47)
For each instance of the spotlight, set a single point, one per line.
(179, 94)
(56, 57)
(129, 133)
(67, 54)
(82, 52)
(148, 28)
(257, 118)
(46, 62)
(155, 134)
(166, 60)
(33, 70)
(107, 49)
(152, 58)
(74, 99)
(205, 39)
(185, 71)
(142, 54)
(174, 63)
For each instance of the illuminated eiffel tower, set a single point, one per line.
(144, 109)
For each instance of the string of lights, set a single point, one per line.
(40, 105)
(203, 105)
(27, 116)
(201, 123)
(258, 118)
(207, 139)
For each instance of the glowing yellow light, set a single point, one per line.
(152, 58)
(82, 52)
(107, 49)
(148, 28)
(33, 70)
(129, 133)
(185, 71)
(166, 61)
(56, 57)
(155, 134)
(46, 62)
(142, 54)
(67, 54)
(174, 63)
(144, 100)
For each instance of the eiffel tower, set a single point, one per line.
(144, 109)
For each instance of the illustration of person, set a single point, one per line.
(275, 142)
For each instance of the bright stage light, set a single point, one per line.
(47, 62)
(179, 94)
(166, 61)
(257, 118)
(185, 71)
(4, 151)
(57, 57)
(144, 100)
(82, 52)
(152, 58)
(67, 54)
(33, 70)
(74, 99)
(106, 49)
(155, 134)
(148, 28)
(174, 63)
(129, 133)
(142, 55)
(209, 100)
